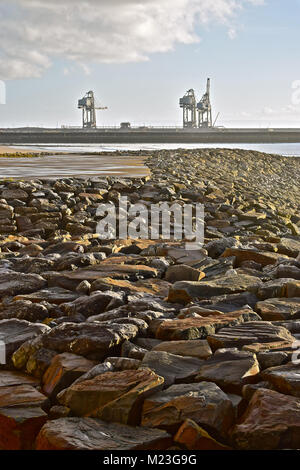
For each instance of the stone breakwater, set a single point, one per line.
(142, 344)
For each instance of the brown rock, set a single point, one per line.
(279, 309)
(193, 437)
(21, 416)
(262, 257)
(203, 402)
(195, 328)
(173, 368)
(183, 272)
(112, 396)
(186, 291)
(230, 370)
(13, 283)
(93, 434)
(63, 371)
(249, 333)
(272, 421)
(284, 378)
(194, 348)
(14, 333)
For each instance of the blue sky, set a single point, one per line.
(140, 64)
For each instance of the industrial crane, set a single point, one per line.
(87, 104)
(188, 103)
(204, 108)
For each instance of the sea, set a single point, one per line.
(289, 150)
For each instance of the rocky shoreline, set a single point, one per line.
(143, 344)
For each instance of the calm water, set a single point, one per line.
(281, 149)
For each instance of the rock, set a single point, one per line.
(204, 403)
(271, 422)
(216, 247)
(39, 361)
(21, 416)
(271, 359)
(183, 273)
(24, 310)
(14, 333)
(97, 303)
(123, 363)
(88, 339)
(284, 378)
(279, 309)
(197, 328)
(93, 434)
(173, 368)
(230, 370)
(275, 289)
(193, 437)
(247, 334)
(261, 257)
(112, 396)
(289, 247)
(132, 351)
(186, 291)
(285, 271)
(55, 295)
(63, 371)
(10, 378)
(13, 283)
(194, 348)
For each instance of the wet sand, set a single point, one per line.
(53, 166)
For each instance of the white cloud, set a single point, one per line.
(35, 32)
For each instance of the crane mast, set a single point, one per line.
(87, 104)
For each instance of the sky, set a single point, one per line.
(140, 56)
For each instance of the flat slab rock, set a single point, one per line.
(171, 367)
(204, 402)
(249, 333)
(112, 396)
(93, 434)
(185, 291)
(87, 339)
(14, 333)
(197, 328)
(271, 421)
(13, 283)
(194, 348)
(54, 295)
(230, 370)
(279, 309)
